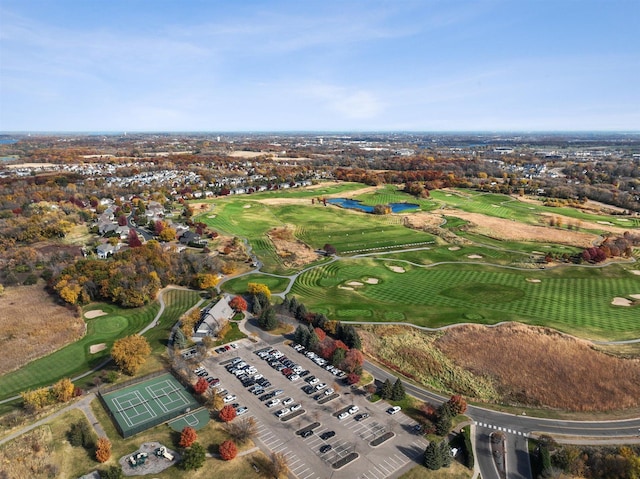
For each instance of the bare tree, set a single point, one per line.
(242, 430)
(279, 465)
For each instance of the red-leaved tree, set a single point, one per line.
(457, 404)
(238, 303)
(227, 413)
(326, 348)
(320, 333)
(188, 437)
(201, 386)
(133, 240)
(353, 378)
(228, 450)
(353, 361)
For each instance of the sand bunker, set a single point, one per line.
(94, 314)
(474, 256)
(397, 269)
(604, 223)
(345, 287)
(635, 271)
(634, 296)
(247, 206)
(355, 283)
(96, 348)
(211, 216)
(618, 301)
(532, 280)
(372, 281)
(454, 248)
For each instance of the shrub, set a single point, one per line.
(80, 434)
(228, 450)
(193, 457)
(112, 472)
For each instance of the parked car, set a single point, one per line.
(360, 417)
(325, 448)
(283, 412)
(343, 415)
(306, 433)
(287, 401)
(229, 398)
(353, 409)
(295, 407)
(394, 410)
(327, 435)
(241, 410)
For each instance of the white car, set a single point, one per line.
(283, 412)
(241, 410)
(229, 398)
(295, 407)
(353, 409)
(294, 377)
(394, 410)
(314, 381)
(287, 401)
(329, 392)
(273, 402)
(320, 386)
(343, 415)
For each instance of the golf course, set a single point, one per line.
(457, 270)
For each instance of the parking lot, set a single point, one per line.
(312, 454)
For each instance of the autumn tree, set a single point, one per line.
(353, 361)
(457, 404)
(215, 401)
(133, 240)
(201, 386)
(255, 288)
(228, 450)
(103, 449)
(187, 437)
(188, 322)
(36, 399)
(167, 234)
(238, 304)
(329, 249)
(130, 352)
(63, 390)
(205, 281)
(353, 378)
(227, 413)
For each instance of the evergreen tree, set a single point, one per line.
(263, 299)
(313, 341)
(285, 303)
(193, 457)
(256, 308)
(444, 423)
(301, 312)
(179, 339)
(397, 392)
(293, 305)
(268, 320)
(387, 390)
(301, 335)
(320, 321)
(432, 459)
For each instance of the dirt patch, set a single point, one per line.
(474, 256)
(372, 281)
(422, 220)
(292, 252)
(576, 376)
(508, 230)
(397, 269)
(532, 280)
(94, 314)
(96, 348)
(44, 326)
(618, 301)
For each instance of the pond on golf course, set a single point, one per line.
(357, 205)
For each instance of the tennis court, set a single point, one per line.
(148, 403)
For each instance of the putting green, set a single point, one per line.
(484, 293)
(109, 324)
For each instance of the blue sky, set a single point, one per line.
(158, 65)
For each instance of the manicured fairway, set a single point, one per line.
(75, 359)
(574, 300)
(239, 285)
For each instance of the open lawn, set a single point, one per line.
(33, 325)
(455, 471)
(571, 299)
(76, 358)
(239, 285)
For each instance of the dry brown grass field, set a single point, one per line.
(540, 367)
(503, 229)
(32, 326)
(292, 252)
(511, 364)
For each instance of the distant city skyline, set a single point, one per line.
(326, 66)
